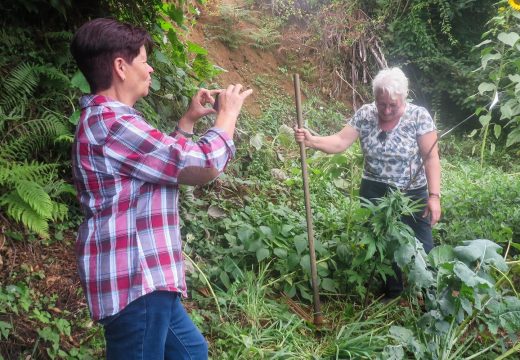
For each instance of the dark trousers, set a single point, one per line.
(421, 226)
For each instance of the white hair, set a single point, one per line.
(392, 81)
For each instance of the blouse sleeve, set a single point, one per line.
(424, 122)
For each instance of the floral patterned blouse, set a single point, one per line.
(392, 157)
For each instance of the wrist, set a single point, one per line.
(187, 134)
(434, 195)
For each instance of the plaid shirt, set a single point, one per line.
(126, 173)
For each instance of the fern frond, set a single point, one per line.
(59, 35)
(51, 73)
(34, 195)
(20, 211)
(19, 85)
(10, 172)
(60, 187)
(33, 136)
(60, 211)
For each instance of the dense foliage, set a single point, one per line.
(244, 235)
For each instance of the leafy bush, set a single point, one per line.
(478, 203)
(499, 66)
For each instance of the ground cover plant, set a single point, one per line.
(245, 234)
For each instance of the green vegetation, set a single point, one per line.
(246, 232)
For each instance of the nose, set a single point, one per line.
(150, 69)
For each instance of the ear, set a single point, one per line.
(119, 68)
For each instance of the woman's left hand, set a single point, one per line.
(433, 210)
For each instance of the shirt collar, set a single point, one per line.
(99, 100)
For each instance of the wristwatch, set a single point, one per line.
(437, 195)
(184, 133)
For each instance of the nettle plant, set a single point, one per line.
(463, 289)
(500, 65)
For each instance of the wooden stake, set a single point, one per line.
(318, 317)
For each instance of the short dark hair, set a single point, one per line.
(98, 42)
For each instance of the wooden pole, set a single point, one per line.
(318, 317)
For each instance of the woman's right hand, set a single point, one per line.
(303, 136)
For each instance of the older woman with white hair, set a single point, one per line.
(398, 140)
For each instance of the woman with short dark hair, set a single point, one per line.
(127, 176)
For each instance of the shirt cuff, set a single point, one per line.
(225, 137)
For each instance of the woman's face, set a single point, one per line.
(138, 79)
(388, 109)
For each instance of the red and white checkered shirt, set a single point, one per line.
(125, 172)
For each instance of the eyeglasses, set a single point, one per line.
(382, 136)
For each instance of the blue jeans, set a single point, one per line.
(371, 190)
(152, 327)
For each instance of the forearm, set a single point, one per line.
(432, 167)
(332, 144)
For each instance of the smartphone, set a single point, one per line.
(216, 104)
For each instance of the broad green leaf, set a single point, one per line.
(323, 269)
(286, 229)
(266, 230)
(262, 254)
(392, 352)
(156, 84)
(305, 263)
(161, 57)
(419, 273)
(403, 255)
(466, 305)
(304, 293)
(513, 137)
(441, 254)
(508, 38)
(485, 251)
(196, 48)
(290, 290)
(485, 119)
(505, 111)
(292, 261)
(485, 87)
(489, 57)
(244, 234)
(342, 251)
(301, 243)
(225, 279)
(257, 141)
(79, 81)
(281, 253)
(74, 118)
(514, 78)
(329, 285)
(400, 333)
(318, 247)
(468, 276)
